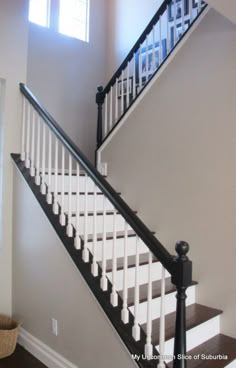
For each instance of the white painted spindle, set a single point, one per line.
(69, 229)
(199, 5)
(27, 153)
(160, 42)
(62, 214)
(148, 345)
(49, 191)
(134, 77)
(114, 295)
(125, 311)
(85, 250)
(111, 109)
(23, 129)
(175, 28)
(190, 10)
(153, 50)
(146, 74)
(168, 47)
(37, 164)
(106, 116)
(122, 92)
(104, 261)
(162, 322)
(32, 151)
(43, 185)
(55, 206)
(94, 264)
(127, 87)
(116, 103)
(182, 14)
(140, 68)
(77, 227)
(136, 327)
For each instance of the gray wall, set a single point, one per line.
(64, 73)
(13, 46)
(174, 159)
(46, 285)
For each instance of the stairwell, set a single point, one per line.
(130, 277)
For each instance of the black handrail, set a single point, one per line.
(132, 219)
(137, 44)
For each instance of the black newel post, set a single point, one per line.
(182, 278)
(99, 102)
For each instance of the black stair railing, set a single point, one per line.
(168, 26)
(41, 137)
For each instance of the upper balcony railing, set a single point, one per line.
(168, 26)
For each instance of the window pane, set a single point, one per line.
(39, 12)
(73, 20)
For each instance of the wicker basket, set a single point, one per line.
(9, 329)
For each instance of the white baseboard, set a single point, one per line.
(43, 352)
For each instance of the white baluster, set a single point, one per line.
(27, 153)
(199, 6)
(136, 327)
(106, 117)
(148, 345)
(153, 50)
(49, 191)
(134, 77)
(43, 186)
(127, 87)
(191, 10)
(146, 59)
(160, 42)
(55, 196)
(85, 250)
(140, 68)
(94, 264)
(104, 261)
(125, 311)
(162, 322)
(111, 109)
(175, 28)
(23, 129)
(168, 47)
(37, 166)
(116, 103)
(62, 214)
(182, 14)
(114, 295)
(77, 238)
(69, 229)
(32, 153)
(122, 92)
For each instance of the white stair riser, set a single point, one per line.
(170, 305)
(196, 336)
(120, 226)
(156, 273)
(90, 202)
(119, 248)
(231, 365)
(90, 184)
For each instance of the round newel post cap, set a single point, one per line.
(100, 89)
(182, 249)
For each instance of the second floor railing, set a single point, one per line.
(163, 33)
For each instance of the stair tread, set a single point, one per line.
(110, 235)
(195, 315)
(143, 259)
(219, 344)
(156, 291)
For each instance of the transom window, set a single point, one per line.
(69, 17)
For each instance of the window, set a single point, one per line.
(39, 12)
(73, 19)
(69, 17)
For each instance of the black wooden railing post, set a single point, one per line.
(99, 102)
(182, 278)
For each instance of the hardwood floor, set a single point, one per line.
(21, 359)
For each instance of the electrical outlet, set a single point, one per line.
(54, 327)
